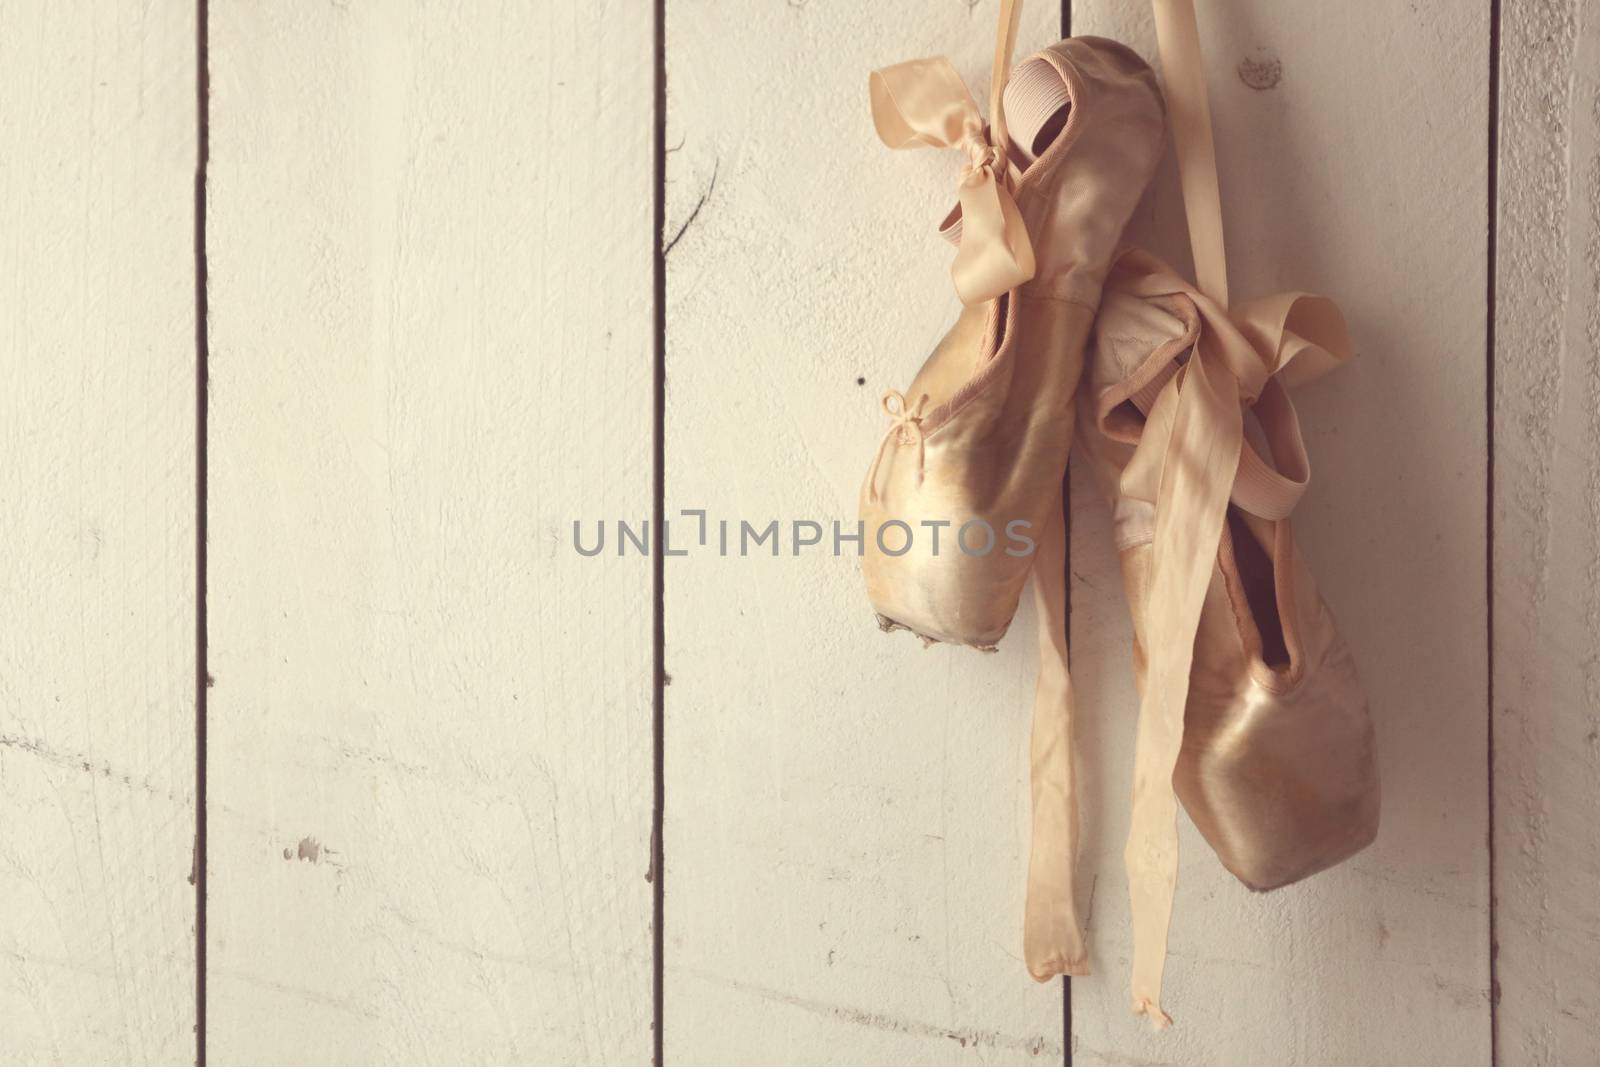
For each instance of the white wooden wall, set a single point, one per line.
(430, 730)
(98, 519)
(1546, 509)
(433, 341)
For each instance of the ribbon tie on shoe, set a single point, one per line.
(1191, 459)
(907, 427)
(923, 102)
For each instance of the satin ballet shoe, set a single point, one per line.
(976, 449)
(967, 476)
(1250, 711)
(1273, 741)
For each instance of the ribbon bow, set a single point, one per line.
(907, 426)
(924, 102)
(1285, 338)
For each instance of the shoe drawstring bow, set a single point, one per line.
(906, 427)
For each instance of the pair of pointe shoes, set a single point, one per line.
(1252, 713)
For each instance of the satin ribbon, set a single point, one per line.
(923, 103)
(1189, 114)
(1052, 931)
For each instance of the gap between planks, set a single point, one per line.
(1492, 203)
(202, 681)
(658, 504)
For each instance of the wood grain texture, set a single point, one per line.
(97, 520)
(1547, 535)
(847, 814)
(430, 730)
(1353, 148)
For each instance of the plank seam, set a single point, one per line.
(658, 512)
(1492, 300)
(1066, 514)
(203, 682)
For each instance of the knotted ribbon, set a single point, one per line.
(924, 102)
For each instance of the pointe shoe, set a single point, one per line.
(1250, 710)
(979, 451)
(971, 466)
(1276, 762)
(1276, 767)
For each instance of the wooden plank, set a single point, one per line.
(1353, 147)
(1547, 535)
(430, 241)
(97, 516)
(847, 814)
